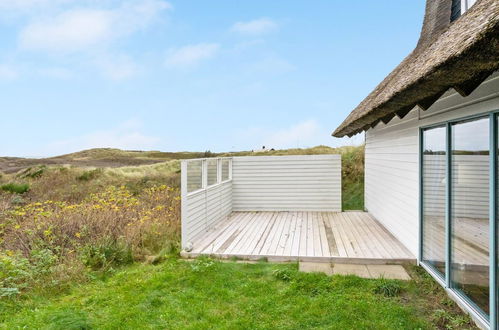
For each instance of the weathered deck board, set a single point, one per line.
(293, 235)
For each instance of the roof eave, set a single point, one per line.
(463, 70)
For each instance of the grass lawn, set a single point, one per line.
(209, 294)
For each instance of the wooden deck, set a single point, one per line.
(346, 237)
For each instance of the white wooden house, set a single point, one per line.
(431, 142)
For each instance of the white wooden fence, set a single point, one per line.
(206, 192)
(287, 183)
(214, 187)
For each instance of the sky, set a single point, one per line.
(191, 75)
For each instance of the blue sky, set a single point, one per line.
(216, 75)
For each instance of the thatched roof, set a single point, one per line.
(458, 55)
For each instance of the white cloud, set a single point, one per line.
(127, 135)
(255, 27)
(7, 72)
(79, 29)
(71, 31)
(189, 56)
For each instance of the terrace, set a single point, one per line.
(282, 208)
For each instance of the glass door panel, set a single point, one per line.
(434, 170)
(470, 210)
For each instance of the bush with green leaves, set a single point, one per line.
(18, 272)
(17, 200)
(106, 253)
(15, 188)
(90, 175)
(33, 172)
(14, 273)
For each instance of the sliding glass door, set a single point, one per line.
(457, 173)
(434, 169)
(470, 210)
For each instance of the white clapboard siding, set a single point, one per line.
(287, 183)
(203, 209)
(391, 163)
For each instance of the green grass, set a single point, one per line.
(207, 294)
(353, 195)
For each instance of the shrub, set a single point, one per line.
(89, 175)
(41, 261)
(32, 172)
(17, 200)
(18, 272)
(8, 292)
(17, 188)
(388, 288)
(106, 253)
(14, 274)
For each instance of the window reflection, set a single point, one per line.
(225, 169)
(212, 171)
(434, 170)
(470, 210)
(194, 175)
